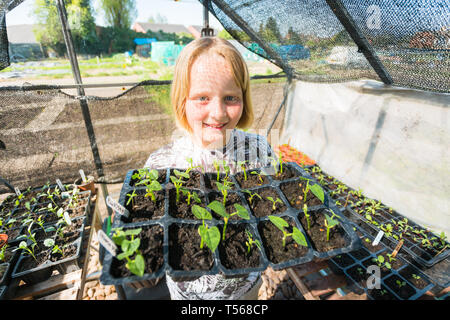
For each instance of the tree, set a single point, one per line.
(48, 30)
(160, 19)
(119, 13)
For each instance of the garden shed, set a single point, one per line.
(360, 107)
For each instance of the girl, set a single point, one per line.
(210, 98)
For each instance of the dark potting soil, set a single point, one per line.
(410, 274)
(13, 233)
(272, 237)
(76, 212)
(253, 180)
(68, 251)
(359, 275)
(41, 235)
(232, 198)
(194, 180)
(343, 260)
(151, 248)
(161, 177)
(183, 210)
(68, 236)
(144, 208)
(233, 250)
(360, 254)
(404, 291)
(211, 179)
(381, 294)
(287, 173)
(264, 207)
(294, 194)
(318, 232)
(184, 249)
(29, 262)
(384, 271)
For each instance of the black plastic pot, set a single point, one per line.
(167, 220)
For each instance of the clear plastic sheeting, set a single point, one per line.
(392, 143)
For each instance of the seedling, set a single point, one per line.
(400, 283)
(209, 236)
(259, 174)
(223, 188)
(251, 242)
(274, 202)
(219, 208)
(315, 189)
(178, 181)
(277, 164)
(296, 234)
(307, 216)
(50, 243)
(188, 194)
(242, 164)
(329, 224)
(130, 248)
(252, 195)
(28, 250)
(151, 188)
(216, 165)
(131, 197)
(145, 176)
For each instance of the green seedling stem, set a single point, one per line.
(251, 242)
(307, 216)
(209, 236)
(329, 224)
(190, 195)
(131, 197)
(223, 188)
(259, 176)
(130, 248)
(219, 208)
(50, 243)
(252, 195)
(296, 234)
(274, 202)
(242, 164)
(216, 165)
(151, 188)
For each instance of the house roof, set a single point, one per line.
(155, 27)
(22, 33)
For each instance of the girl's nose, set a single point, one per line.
(218, 110)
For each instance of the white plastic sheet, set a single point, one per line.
(391, 142)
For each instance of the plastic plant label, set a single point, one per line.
(17, 190)
(67, 218)
(106, 242)
(83, 176)
(60, 185)
(397, 248)
(377, 239)
(117, 207)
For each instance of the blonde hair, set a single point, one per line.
(181, 85)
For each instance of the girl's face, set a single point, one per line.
(214, 104)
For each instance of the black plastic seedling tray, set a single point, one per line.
(360, 259)
(44, 271)
(166, 221)
(419, 255)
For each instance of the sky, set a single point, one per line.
(186, 12)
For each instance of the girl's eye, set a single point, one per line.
(231, 99)
(203, 98)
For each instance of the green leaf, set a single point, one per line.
(299, 237)
(212, 238)
(331, 222)
(201, 213)
(132, 232)
(279, 222)
(155, 186)
(318, 192)
(242, 212)
(137, 266)
(218, 208)
(153, 174)
(181, 174)
(49, 242)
